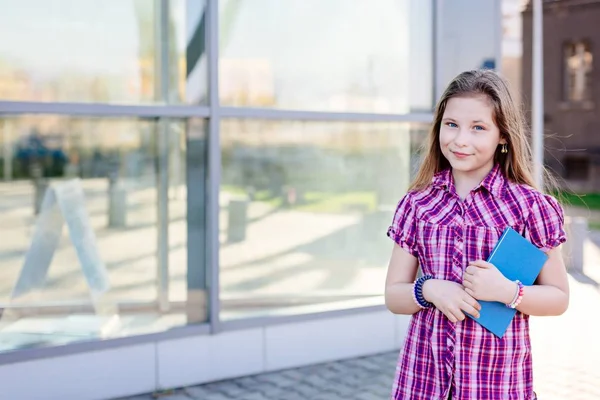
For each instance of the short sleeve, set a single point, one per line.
(404, 227)
(545, 223)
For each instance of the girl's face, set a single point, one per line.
(469, 137)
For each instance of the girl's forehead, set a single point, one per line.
(476, 106)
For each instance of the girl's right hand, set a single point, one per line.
(451, 299)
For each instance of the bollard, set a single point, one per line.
(40, 187)
(237, 220)
(573, 250)
(71, 171)
(117, 204)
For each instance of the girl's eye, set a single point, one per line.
(478, 128)
(451, 124)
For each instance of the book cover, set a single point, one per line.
(516, 258)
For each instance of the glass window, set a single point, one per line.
(305, 207)
(335, 55)
(577, 71)
(467, 46)
(84, 254)
(76, 51)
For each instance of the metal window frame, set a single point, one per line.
(103, 110)
(213, 113)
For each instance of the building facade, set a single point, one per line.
(571, 91)
(197, 190)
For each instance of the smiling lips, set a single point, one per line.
(460, 155)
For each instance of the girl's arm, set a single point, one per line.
(448, 297)
(550, 294)
(401, 273)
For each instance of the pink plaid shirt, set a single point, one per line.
(441, 358)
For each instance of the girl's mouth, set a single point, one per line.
(460, 155)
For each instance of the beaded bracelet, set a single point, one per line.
(518, 295)
(418, 292)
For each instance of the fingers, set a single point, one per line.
(470, 300)
(469, 284)
(455, 315)
(471, 309)
(480, 264)
(470, 292)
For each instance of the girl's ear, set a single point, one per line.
(503, 141)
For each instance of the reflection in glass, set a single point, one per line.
(114, 227)
(76, 51)
(305, 208)
(335, 55)
(459, 48)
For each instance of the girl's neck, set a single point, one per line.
(464, 182)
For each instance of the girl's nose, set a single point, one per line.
(461, 138)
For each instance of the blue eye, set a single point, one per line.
(451, 124)
(479, 128)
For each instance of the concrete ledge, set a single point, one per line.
(172, 363)
(88, 376)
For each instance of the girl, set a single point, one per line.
(474, 181)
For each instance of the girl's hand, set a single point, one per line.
(485, 282)
(451, 299)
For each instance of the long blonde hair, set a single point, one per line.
(508, 117)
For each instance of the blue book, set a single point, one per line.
(516, 258)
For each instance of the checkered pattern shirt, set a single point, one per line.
(463, 359)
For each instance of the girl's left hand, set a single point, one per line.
(483, 281)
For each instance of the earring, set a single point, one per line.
(504, 149)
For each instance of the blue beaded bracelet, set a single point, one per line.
(418, 292)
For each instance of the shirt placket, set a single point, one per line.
(450, 352)
(458, 239)
(458, 262)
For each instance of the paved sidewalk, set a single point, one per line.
(565, 348)
(367, 378)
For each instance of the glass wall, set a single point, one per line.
(469, 37)
(82, 239)
(78, 51)
(133, 202)
(304, 211)
(335, 55)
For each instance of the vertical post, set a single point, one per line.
(162, 154)
(537, 106)
(197, 301)
(214, 163)
(7, 154)
(437, 57)
(574, 249)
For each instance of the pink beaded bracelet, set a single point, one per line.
(518, 295)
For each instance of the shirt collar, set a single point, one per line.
(443, 180)
(494, 182)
